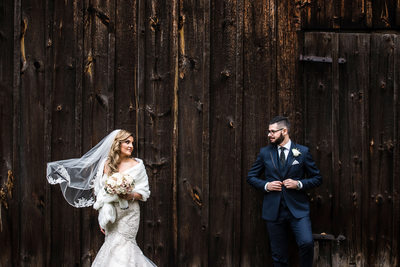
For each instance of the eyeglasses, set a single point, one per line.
(274, 131)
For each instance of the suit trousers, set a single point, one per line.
(278, 235)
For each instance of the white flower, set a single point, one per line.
(296, 152)
(111, 182)
(128, 178)
(116, 176)
(119, 181)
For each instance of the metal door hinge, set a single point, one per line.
(321, 59)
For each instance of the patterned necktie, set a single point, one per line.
(282, 157)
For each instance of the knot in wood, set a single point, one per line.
(196, 196)
(154, 24)
(37, 64)
(379, 199)
(226, 73)
(389, 145)
(231, 123)
(5, 190)
(321, 86)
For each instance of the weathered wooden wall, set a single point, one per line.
(357, 102)
(197, 82)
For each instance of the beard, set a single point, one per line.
(278, 140)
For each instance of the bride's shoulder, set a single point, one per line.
(129, 163)
(133, 162)
(139, 161)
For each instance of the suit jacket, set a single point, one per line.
(301, 168)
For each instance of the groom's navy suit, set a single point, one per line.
(289, 207)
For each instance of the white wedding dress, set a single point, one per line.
(121, 225)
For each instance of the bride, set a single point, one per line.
(119, 214)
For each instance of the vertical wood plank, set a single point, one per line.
(397, 14)
(336, 261)
(318, 129)
(259, 106)
(363, 258)
(316, 114)
(100, 58)
(175, 123)
(223, 124)
(126, 53)
(7, 171)
(287, 53)
(15, 202)
(48, 65)
(139, 91)
(353, 145)
(238, 126)
(193, 179)
(396, 153)
(381, 151)
(30, 136)
(78, 30)
(158, 100)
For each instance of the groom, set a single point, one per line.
(289, 171)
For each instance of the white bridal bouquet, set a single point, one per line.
(120, 184)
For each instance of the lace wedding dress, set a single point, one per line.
(120, 248)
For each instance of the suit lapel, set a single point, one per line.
(274, 157)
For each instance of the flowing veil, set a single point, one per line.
(77, 176)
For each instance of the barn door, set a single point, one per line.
(351, 117)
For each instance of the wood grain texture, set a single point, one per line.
(223, 134)
(31, 93)
(193, 147)
(158, 97)
(318, 84)
(352, 133)
(7, 171)
(349, 15)
(381, 147)
(197, 83)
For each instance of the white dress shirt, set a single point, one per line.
(287, 148)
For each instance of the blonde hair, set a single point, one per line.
(114, 154)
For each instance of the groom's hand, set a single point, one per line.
(275, 186)
(290, 184)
